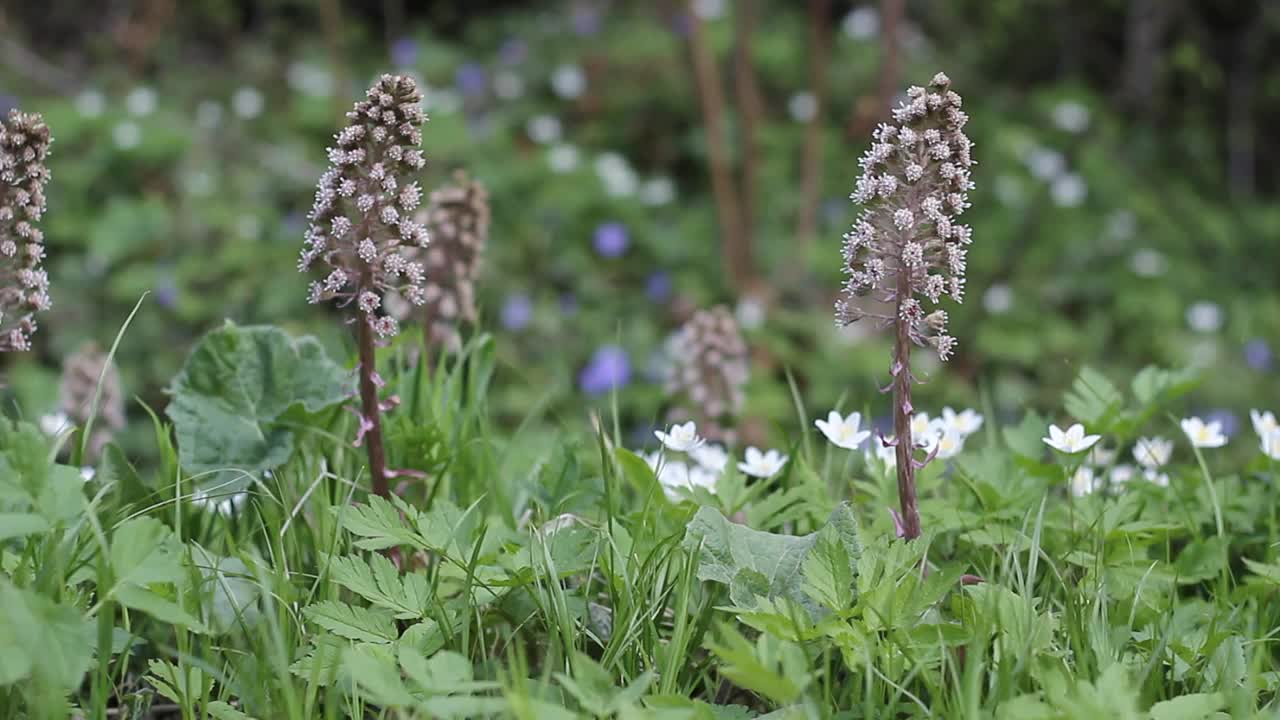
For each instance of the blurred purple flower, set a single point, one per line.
(404, 52)
(611, 239)
(568, 303)
(1257, 353)
(471, 79)
(682, 24)
(657, 287)
(609, 368)
(166, 293)
(1230, 421)
(513, 51)
(586, 19)
(517, 312)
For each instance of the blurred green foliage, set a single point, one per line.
(1112, 226)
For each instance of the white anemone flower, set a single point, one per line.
(1071, 441)
(681, 438)
(762, 464)
(1153, 452)
(1202, 434)
(844, 432)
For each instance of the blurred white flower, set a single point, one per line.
(54, 424)
(141, 101)
(1072, 441)
(560, 522)
(616, 174)
(569, 81)
(90, 103)
(803, 106)
(1102, 456)
(563, 158)
(703, 478)
(1148, 263)
(998, 299)
(750, 313)
(843, 432)
(1084, 481)
(445, 101)
(1071, 116)
(965, 423)
(87, 473)
(710, 457)
(1153, 452)
(708, 9)
(925, 430)
(1122, 474)
(1122, 225)
(657, 191)
(761, 464)
(1204, 316)
(1155, 477)
(1264, 422)
(862, 23)
(209, 114)
(228, 505)
(247, 102)
(127, 135)
(681, 438)
(1068, 190)
(1202, 434)
(1271, 444)
(309, 79)
(887, 455)
(1044, 163)
(949, 444)
(543, 129)
(508, 85)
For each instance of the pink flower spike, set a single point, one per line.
(365, 426)
(406, 472)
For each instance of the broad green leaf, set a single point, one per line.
(726, 549)
(373, 667)
(353, 623)
(828, 572)
(231, 399)
(774, 668)
(56, 640)
(1263, 570)
(222, 711)
(15, 525)
(158, 607)
(144, 551)
(1197, 706)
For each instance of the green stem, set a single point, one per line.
(1213, 492)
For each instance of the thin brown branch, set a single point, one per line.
(750, 110)
(811, 159)
(737, 258)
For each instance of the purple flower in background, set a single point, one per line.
(1230, 421)
(471, 79)
(611, 239)
(568, 303)
(1257, 353)
(586, 20)
(166, 293)
(657, 287)
(609, 368)
(682, 24)
(517, 312)
(514, 51)
(404, 52)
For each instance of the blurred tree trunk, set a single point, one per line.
(1242, 87)
(1144, 41)
(811, 161)
(750, 110)
(891, 15)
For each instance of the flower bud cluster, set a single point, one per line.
(24, 286)
(361, 225)
(80, 373)
(907, 245)
(457, 216)
(709, 367)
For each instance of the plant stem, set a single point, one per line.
(1213, 493)
(369, 407)
(902, 418)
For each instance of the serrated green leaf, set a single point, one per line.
(232, 395)
(378, 524)
(828, 572)
(222, 711)
(1092, 399)
(353, 623)
(1197, 706)
(176, 684)
(144, 551)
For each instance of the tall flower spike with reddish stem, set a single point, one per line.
(24, 286)
(362, 231)
(907, 248)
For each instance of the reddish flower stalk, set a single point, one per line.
(906, 247)
(361, 228)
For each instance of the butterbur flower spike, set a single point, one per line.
(80, 373)
(709, 367)
(362, 234)
(24, 289)
(907, 249)
(457, 218)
